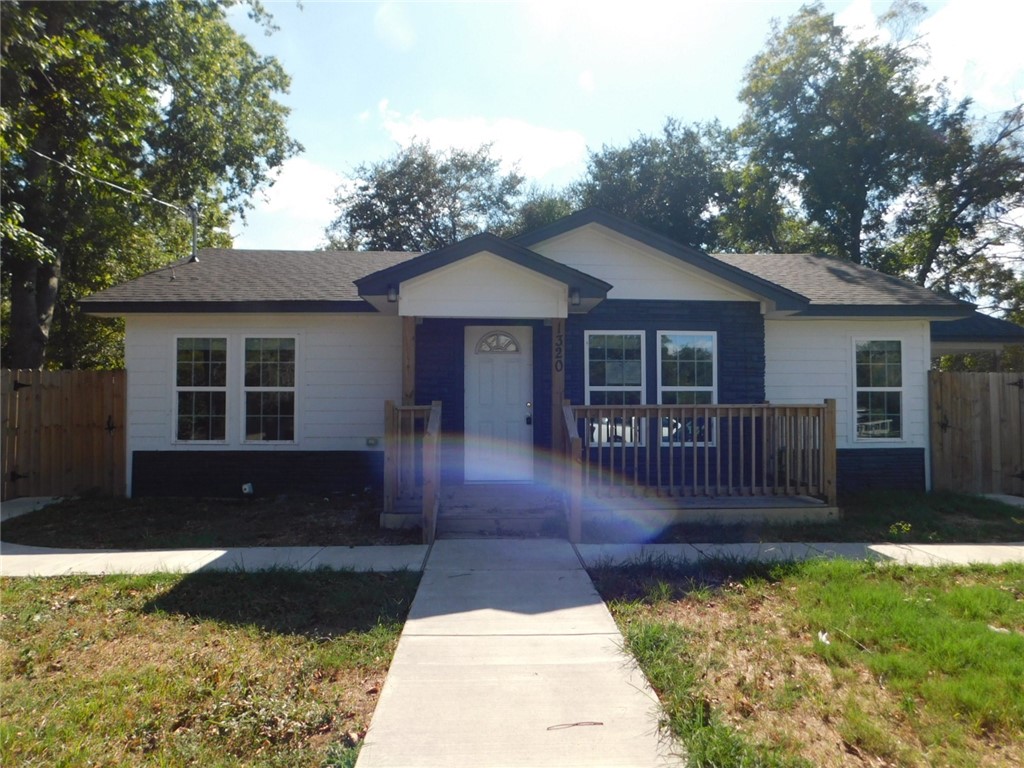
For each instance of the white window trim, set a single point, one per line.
(856, 390)
(175, 389)
(640, 429)
(643, 363)
(713, 388)
(714, 374)
(243, 389)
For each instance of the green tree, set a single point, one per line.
(844, 123)
(538, 208)
(420, 199)
(955, 228)
(672, 183)
(157, 95)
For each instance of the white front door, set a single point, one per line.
(499, 404)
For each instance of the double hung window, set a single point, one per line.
(878, 368)
(269, 389)
(687, 371)
(201, 389)
(615, 376)
(206, 389)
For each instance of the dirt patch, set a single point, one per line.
(156, 523)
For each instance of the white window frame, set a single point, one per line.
(244, 389)
(855, 431)
(599, 433)
(176, 390)
(713, 389)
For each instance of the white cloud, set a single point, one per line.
(542, 154)
(294, 212)
(860, 21)
(393, 26)
(977, 45)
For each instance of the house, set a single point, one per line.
(273, 367)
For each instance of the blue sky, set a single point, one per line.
(545, 81)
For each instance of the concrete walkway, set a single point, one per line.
(510, 658)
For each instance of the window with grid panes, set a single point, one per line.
(269, 389)
(687, 375)
(200, 382)
(879, 387)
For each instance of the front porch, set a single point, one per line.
(645, 467)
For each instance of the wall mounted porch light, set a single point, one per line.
(392, 294)
(574, 296)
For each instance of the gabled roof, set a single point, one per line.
(228, 280)
(377, 283)
(833, 287)
(784, 298)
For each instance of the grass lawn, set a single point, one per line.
(159, 523)
(276, 668)
(831, 663)
(896, 516)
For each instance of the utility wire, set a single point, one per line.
(142, 193)
(192, 212)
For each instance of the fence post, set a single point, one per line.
(828, 453)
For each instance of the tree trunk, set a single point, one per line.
(33, 296)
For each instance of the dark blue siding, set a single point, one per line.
(872, 468)
(739, 325)
(440, 375)
(222, 473)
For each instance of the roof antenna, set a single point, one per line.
(193, 212)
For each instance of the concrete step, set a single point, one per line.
(539, 524)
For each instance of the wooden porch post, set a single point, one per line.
(408, 361)
(557, 385)
(828, 447)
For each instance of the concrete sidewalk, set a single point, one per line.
(20, 560)
(510, 658)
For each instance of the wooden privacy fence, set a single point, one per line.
(63, 432)
(977, 431)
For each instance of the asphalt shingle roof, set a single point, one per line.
(829, 282)
(978, 327)
(227, 280)
(249, 277)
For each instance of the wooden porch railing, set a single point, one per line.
(431, 472)
(573, 474)
(412, 460)
(700, 450)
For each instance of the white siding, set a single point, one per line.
(483, 285)
(809, 360)
(347, 366)
(635, 270)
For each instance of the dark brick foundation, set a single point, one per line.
(866, 469)
(222, 473)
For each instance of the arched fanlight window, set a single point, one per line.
(497, 342)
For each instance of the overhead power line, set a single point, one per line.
(192, 212)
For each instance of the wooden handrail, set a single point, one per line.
(401, 450)
(431, 472)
